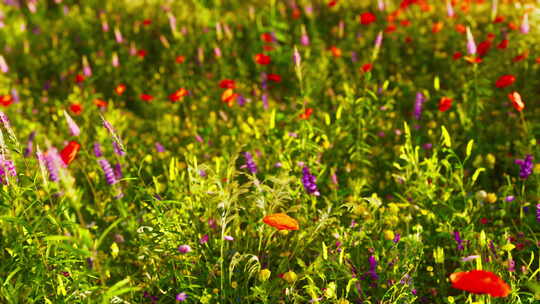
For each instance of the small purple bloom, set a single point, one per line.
(184, 249)
(228, 238)
(204, 239)
(159, 147)
(309, 182)
(250, 164)
(417, 110)
(181, 297)
(526, 166)
(97, 150)
(108, 171)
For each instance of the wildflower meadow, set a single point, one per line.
(270, 151)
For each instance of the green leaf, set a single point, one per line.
(476, 174)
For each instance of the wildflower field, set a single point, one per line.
(270, 151)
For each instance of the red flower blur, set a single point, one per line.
(480, 282)
(146, 97)
(367, 18)
(483, 48)
(367, 67)
(120, 89)
(336, 52)
(227, 84)
(76, 108)
(307, 113)
(79, 78)
(178, 95)
(267, 37)
(100, 103)
(6, 100)
(180, 59)
(503, 44)
(69, 152)
(505, 80)
(274, 78)
(445, 104)
(262, 59)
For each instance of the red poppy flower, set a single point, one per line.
(76, 108)
(307, 113)
(267, 37)
(521, 56)
(472, 59)
(332, 3)
(178, 95)
(483, 48)
(100, 103)
(274, 78)
(460, 28)
(405, 22)
(367, 67)
(229, 96)
(146, 97)
(484, 221)
(281, 221)
(120, 89)
(367, 18)
(70, 151)
(445, 104)
(6, 100)
(147, 22)
(79, 78)
(480, 282)
(268, 48)
(512, 26)
(390, 28)
(408, 39)
(296, 13)
(142, 53)
(498, 19)
(227, 84)
(538, 60)
(262, 59)
(515, 98)
(437, 27)
(505, 80)
(180, 59)
(457, 55)
(503, 44)
(336, 52)
(490, 36)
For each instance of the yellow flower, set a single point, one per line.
(490, 198)
(290, 276)
(264, 275)
(389, 235)
(234, 284)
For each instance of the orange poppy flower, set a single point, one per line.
(296, 13)
(76, 108)
(445, 104)
(505, 80)
(307, 113)
(178, 95)
(69, 152)
(120, 89)
(228, 97)
(180, 59)
(100, 103)
(336, 52)
(515, 98)
(437, 27)
(480, 282)
(6, 100)
(538, 60)
(262, 59)
(281, 221)
(472, 59)
(460, 28)
(521, 56)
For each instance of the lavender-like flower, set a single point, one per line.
(97, 150)
(304, 39)
(73, 127)
(29, 144)
(118, 35)
(51, 163)
(459, 241)
(3, 65)
(296, 57)
(373, 268)
(526, 166)
(118, 171)
(449, 9)
(117, 149)
(115, 61)
(309, 182)
(538, 213)
(113, 134)
(181, 297)
(250, 164)
(471, 45)
(378, 40)
(7, 168)
(380, 5)
(109, 174)
(417, 110)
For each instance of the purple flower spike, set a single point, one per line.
(309, 182)
(109, 174)
(250, 164)
(526, 166)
